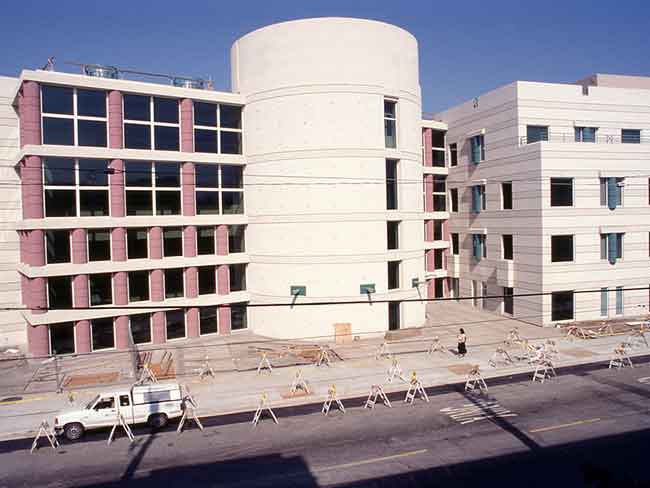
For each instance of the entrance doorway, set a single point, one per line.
(393, 316)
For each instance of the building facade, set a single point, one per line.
(138, 212)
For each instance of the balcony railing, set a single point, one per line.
(598, 139)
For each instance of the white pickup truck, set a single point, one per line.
(154, 404)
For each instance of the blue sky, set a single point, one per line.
(466, 48)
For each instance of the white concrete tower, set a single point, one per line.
(316, 172)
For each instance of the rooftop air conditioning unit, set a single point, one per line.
(101, 71)
(190, 83)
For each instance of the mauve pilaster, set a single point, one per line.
(222, 240)
(188, 189)
(189, 241)
(118, 244)
(80, 289)
(115, 120)
(158, 333)
(116, 188)
(223, 319)
(187, 125)
(427, 142)
(428, 193)
(120, 288)
(192, 321)
(82, 336)
(29, 110)
(122, 332)
(79, 246)
(223, 279)
(157, 285)
(191, 282)
(155, 243)
(38, 340)
(31, 180)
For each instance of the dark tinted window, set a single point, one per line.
(60, 203)
(437, 138)
(391, 184)
(507, 246)
(57, 99)
(206, 141)
(393, 274)
(103, 334)
(231, 177)
(99, 245)
(136, 107)
(137, 136)
(230, 116)
(165, 110)
(207, 175)
(91, 103)
(168, 203)
(58, 131)
(58, 171)
(562, 305)
(62, 338)
(237, 277)
(506, 194)
(136, 240)
(101, 292)
(207, 202)
(140, 328)
(166, 138)
(205, 240)
(208, 320)
(454, 244)
(230, 142)
(392, 234)
(173, 283)
(137, 174)
(168, 174)
(236, 238)
(453, 154)
(93, 203)
(172, 241)
(630, 136)
(139, 203)
(561, 248)
(205, 114)
(207, 280)
(233, 202)
(59, 292)
(138, 286)
(175, 324)
(57, 244)
(238, 317)
(91, 133)
(561, 192)
(93, 172)
(536, 133)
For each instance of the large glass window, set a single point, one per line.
(238, 319)
(506, 240)
(174, 283)
(561, 248)
(438, 148)
(561, 192)
(479, 246)
(62, 338)
(439, 193)
(208, 320)
(392, 231)
(477, 148)
(152, 188)
(172, 241)
(207, 280)
(205, 240)
(236, 238)
(101, 290)
(138, 286)
(478, 198)
(391, 184)
(175, 324)
(75, 187)
(536, 133)
(137, 243)
(611, 192)
(73, 116)
(611, 246)
(393, 275)
(103, 333)
(237, 277)
(59, 292)
(57, 246)
(506, 195)
(217, 128)
(140, 328)
(562, 305)
(631, 136)
(390, 123)
(99, 245)
(151, 123)
(219, 189)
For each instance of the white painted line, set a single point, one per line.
(371, 461)
(563, 426)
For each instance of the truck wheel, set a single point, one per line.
(73, 431)
(157, 420)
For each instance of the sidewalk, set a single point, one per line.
(237, 386)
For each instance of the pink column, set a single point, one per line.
(188, 187)
(120, 288)
(189, 241)
(223, 279)
(222, 240)
(32, 247)
(430, 260)
(29, 110)
(38, 340)
(79, 246)
(31, 180)
(82, 336)
(80, 291)
(428, 235)
(155, 243)
(431, 288)
(223, 315)
(118, 244)
(427, 143)
(158, 332)
(191, 282)
(34, 294)
(115, 127)
(192, 322)
(428, 193)
(122, 332)
(116, 188)
(445, 288)
(187, 125)
(157, 285)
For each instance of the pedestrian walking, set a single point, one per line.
(462, 339)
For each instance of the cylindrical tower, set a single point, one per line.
(316, 189)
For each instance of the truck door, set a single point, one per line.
(103, 412)
(126, 409)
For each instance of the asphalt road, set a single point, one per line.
(587, 428)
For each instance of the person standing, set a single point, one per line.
(462, 339)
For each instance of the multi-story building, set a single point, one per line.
(549, 194)
(139, 212)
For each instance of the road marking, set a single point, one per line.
(473, 412)
(371, 461)
(644, 380)
(24, 400)
(562, 426)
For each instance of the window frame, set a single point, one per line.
(387, 122)
(573, 189)
(453, 154)
(92, 339)
(154, 188)
(147, 273)
(573, 305)
(220, 190)
(573, 248)
(218, 129)
(90, 295)
(505, 184)
(504, 238)
(110, 244)
(396, 264)
(54, 231)
(152, 123)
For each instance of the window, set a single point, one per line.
(390, 123)
(151, 123)
(57, 246)
(207, 280)
(208, 320)
(103, 333)
(585, 134)
(138, 286)
(217, 128)
(478, 198)
(137, 243)
(205, 240)
(604, 302)
(619, 300)
(630, 136)
(611, 247)
(561, 248)
(479, 246)
(561, 192)
(455, 287)
(477, 148)
(508, 300)
(101, 291)
(238, 319)
(172, 241)
(437, 230)
(62, 338)
(438, 148)
(611, 192)
(59, 292)
(454, 199)
(453, 154)
(392, 235)
(99, 245)
(237, 277)
(152, 188)
(506, 240)
(438, 157)
(175, 324)
(75, 187)
(562, 305)
(391, 184)
(438, 258)
(73, 116)
(140, 328)
(236, 238)
(455, 244)
(439, 287)
(506, 195)
(219, 189)
(173, 283)
(394, 319)
(393, 275)
(536, 133)
(439, 193)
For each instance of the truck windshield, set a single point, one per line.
(92, 402)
